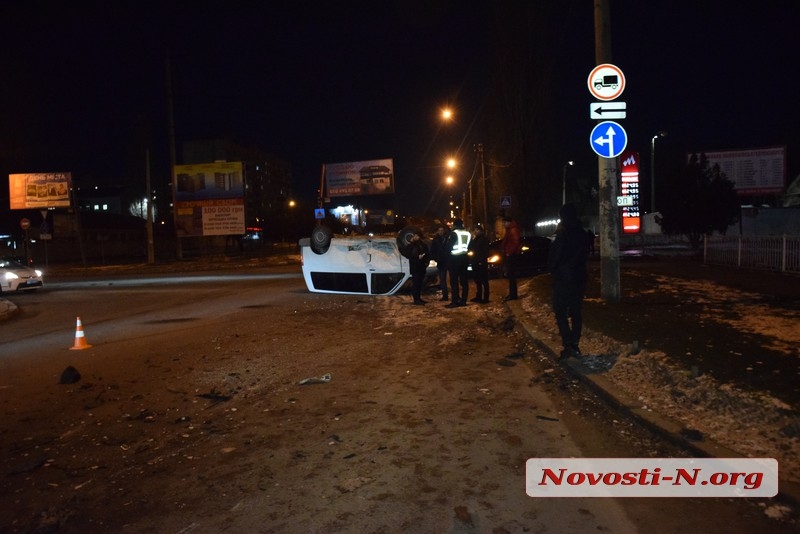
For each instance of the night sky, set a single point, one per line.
(356, 81)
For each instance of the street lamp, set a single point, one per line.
(466, 216)
(564, 182)
(450, 181)
(653, 169)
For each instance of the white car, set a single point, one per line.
(355, 265)
(17, 277)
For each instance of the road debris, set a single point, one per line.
(324, 379)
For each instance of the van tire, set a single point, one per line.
(321, 239)
(404, 238)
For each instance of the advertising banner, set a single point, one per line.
(753, 172)
(39, 190)
(373, 177)
(209, 199)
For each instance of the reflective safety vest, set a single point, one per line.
(461, 244)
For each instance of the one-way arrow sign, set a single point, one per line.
(607, 110)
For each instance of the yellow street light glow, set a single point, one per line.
(447, 114)
(451, 163)
(449, 180)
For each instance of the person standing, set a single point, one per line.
(479, 254)
(512, 247)
(440, 254)
(566, 262)
(458, 264)
(418, 259)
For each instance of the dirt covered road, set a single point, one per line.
(424, 425)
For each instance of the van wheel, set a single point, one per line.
(404, 238)
(321, 239)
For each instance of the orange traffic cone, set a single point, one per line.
(80, 340)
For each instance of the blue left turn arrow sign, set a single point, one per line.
(608, 139)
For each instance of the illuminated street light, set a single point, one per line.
(447, 114)
(564, 182)
(653, 170)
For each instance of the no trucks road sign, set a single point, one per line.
(606, 82)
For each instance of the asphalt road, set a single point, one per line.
(360, 457)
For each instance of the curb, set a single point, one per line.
(667, 428)
(7, 309)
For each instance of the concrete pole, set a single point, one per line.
(172, 149)
(608, 176)
(483, 190)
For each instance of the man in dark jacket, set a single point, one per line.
(479, 257)
(567, 264)
(418, 260)
(440, 254)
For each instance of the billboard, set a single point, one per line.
(209, 199)
(753, 172)
(629, 189)
(39, 190)
(373, 177)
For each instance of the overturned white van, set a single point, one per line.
(356, 265)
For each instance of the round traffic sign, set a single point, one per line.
(24, 224)
(608, 139)
(606, 82)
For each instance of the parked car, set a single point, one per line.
(15, 276)
(533, 258)
(356, 265)
(19, 259)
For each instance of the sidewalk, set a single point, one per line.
(7, 309)
(699, 318)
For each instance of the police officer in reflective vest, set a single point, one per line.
(458, 264)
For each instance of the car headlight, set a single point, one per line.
(11, 276)
(494, 258)
(38, 273)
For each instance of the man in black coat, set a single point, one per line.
(567, 264)
(440, 254)
(479, 256)
(418, 259)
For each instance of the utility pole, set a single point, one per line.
(478, 148)
(608, 175)
(172, 157)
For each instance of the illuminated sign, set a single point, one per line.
(629, 188)
(40, 190)
(374, 177)
(209, 199)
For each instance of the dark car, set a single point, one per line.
(533, 258)
(18, 259)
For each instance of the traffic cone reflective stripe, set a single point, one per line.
(80, 339)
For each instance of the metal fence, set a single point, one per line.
(773, 253)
